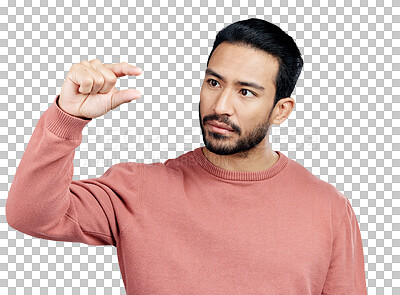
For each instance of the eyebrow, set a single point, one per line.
(243, 83)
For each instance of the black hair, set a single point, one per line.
(263, 35)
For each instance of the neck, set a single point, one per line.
(258, 159)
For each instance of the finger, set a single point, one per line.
(123, 69)
(86, 77)
(80, 76)
(123, 96)
(109, 77)
(98, 79)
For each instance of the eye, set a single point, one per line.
(248, 91)
(212, 82)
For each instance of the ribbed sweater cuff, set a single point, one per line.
(64, 125)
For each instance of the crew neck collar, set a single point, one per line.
(240, 175)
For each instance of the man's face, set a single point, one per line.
(225, 100)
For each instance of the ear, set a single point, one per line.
(282, 110)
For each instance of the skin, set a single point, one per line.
(248, 110)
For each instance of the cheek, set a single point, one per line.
(253, 117)
(205, 100)
(205, 93)
(203, 97)
(203, 88)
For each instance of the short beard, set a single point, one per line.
(243, 146)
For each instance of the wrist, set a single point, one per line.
(58, 105)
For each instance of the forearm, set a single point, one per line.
(39, 194)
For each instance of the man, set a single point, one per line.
(233, 217)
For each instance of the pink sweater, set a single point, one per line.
(188, 227)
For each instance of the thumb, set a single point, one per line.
(124, 96)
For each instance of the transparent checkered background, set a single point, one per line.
(344, 128)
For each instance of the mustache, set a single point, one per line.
(220, 119)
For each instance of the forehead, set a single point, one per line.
(234, 61)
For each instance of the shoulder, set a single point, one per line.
(321, 191)
(173, 165)
(123, 168)
(170, 166)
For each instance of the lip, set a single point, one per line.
(219, 127)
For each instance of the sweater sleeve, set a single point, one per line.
(45, 202)
(346, 273)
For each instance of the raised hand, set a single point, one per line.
(89, 92)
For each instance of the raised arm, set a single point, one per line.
(43, 200)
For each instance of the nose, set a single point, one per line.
(223, 103)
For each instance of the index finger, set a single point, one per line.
(123, 69)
